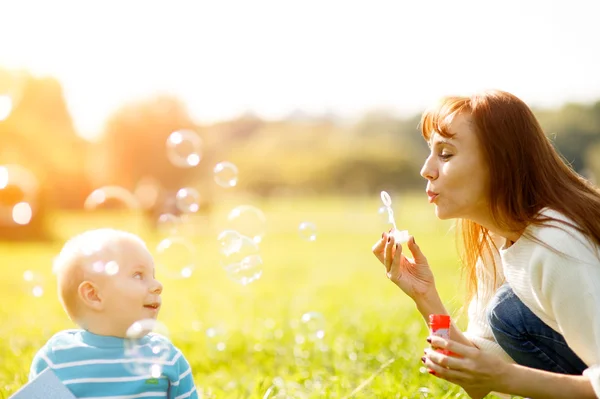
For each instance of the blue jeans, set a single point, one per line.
(527, 339)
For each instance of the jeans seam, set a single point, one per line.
(549, 359)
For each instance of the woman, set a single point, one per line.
(530, 232)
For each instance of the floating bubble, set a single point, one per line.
(184, 148)
(230, 241)
(19, 191)
(216, 338)
(175, 258)
(110, 268)
(34, 283)
(243, 263)
(109, 198)
(247, 271)
(168, 224)
(248, 221)
(187, 200)
(308, 231)
(312, 326)
(147, 348)
(226, 174)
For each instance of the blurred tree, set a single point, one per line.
(38, 134)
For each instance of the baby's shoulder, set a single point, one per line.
(64, 338)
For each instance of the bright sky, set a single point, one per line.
(224, 57)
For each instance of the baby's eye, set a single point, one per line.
(138, 275)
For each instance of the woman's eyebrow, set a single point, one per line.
(441, 142)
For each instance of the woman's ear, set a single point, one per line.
(89, 294)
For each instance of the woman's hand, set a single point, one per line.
(413, 276)
(477, 372)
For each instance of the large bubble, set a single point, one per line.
(175, 258)
(226, 174)
(184, 148)
(147, 348)
(308, 231)
(187, 200)
(111, 198)
(249, 221)
(242, 262)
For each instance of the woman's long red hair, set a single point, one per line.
(526, 173)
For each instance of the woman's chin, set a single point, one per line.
(440, 214)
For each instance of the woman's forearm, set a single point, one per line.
(539, 384)
(433, 305)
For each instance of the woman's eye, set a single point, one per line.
(445, 156)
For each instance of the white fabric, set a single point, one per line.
(562, 289)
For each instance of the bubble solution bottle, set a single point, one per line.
(439, 325)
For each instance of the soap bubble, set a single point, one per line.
(187, 200)
(230, 241)
(308, 231)
(147, 348)
(168, 224)
(242, 263)
(111, 198)
(226, 174)
(184, 148)
(19, 190)
(175, 257)
(34, 283)
(248, 221)
(312, 326)
(246, 271)
(216, 338)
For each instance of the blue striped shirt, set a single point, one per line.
(97, 366)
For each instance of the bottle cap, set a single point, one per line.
(437, 321)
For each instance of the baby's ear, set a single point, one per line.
(88, 293)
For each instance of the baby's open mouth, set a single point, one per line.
(152, 306)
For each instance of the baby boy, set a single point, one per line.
(106, 284)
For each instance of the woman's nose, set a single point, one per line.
(428, 171)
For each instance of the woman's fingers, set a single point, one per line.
(389, 253)
(379, 246)
(395, 270)
(418, 256)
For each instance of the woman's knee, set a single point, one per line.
(504, 311)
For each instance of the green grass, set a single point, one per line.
(373, 334)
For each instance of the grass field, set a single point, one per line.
(249, 342)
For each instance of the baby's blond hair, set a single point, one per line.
(82, 256)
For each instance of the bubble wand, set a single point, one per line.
(400, 236)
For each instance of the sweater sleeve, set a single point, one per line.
(570, 288)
